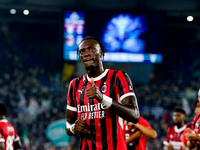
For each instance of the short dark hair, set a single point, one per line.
(179, 109)
(3, 109)
(93, 38)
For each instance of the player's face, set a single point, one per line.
(197, 108)
(178, 117)
(90, 53)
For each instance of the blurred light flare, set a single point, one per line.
(190, 18)
(26, 12)
(13, 11)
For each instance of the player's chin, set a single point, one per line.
(88, 63)
(177, 123)
(89, 66)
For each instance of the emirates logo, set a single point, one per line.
(104, 88)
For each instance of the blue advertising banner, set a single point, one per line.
(56, 133)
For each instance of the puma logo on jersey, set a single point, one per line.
(80, 91)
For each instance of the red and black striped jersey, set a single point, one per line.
(174, 137)
(188, 125)
(106, 128)
(8, 134)
(196, 125)
(196, 122)
(139, 143)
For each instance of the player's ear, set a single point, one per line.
(101, 53)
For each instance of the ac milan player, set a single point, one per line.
(136, 134)
(9, 140)
(193, 134)
(175, 133)
(98, 100)
(191, 124)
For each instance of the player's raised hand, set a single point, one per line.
(94, 92)
(92, 81)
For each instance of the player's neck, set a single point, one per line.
(95, 71)
(2, 117)
(180, 125)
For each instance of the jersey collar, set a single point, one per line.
(98, 77)
(4, 120)
(179, 130)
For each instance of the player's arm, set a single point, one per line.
(127, 109)
(167, 145)
(191, 144)
(1, 145)
(17, 144)
(148, 131)
(74, 125)
(134, 136)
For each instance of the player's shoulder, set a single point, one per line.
(171, 128)
(115, 73)
(143, 121)
(78, 79)
(5, 123)
(189, 124)
(196, 117)
(118, 72)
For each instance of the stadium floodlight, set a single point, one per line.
(13, 11)
(190, 18)
(26, 12)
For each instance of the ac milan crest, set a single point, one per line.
(104, 88)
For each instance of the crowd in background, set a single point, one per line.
(35, 96)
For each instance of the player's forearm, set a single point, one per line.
(17, 144)
(148, 131)
(134, 136)
(69, 129)
(127, 112)
(71, 117)
(194, 138)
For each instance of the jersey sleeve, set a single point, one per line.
(143, 122)
(71, 96)
(17, 138)
(124, 85)
(1, 135)
(166, 142)
(184, 140)
(188, 125)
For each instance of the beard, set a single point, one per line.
(178, 124)
(92, 69)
